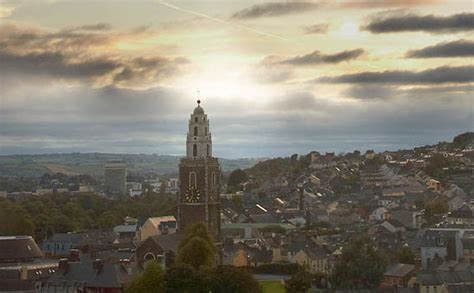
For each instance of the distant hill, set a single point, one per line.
(93, 164)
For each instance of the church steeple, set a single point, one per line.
(199, 178)
(199, 141)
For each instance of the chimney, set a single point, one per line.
(73, 255)
(63, 264)
(98, 265)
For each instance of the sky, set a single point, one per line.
(274, 77)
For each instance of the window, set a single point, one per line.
(214, 179)
(196, 119)
(195, 150)
(205, 130)
(192, 179)
(195, 131)
(208, 150)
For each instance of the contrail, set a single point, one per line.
(222, 21)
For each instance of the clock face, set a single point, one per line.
(192, 195)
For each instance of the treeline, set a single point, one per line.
(44, 215)
(47, 180)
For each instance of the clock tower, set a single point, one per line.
(199, 176)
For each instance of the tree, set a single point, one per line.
(196, 252)
(361, 266)
(183, 278)
(299, 282)
(236, 178)
(196, 230)
(464, 140)
(405, 255)
(232, 279)
(150, 280)
(196, 248)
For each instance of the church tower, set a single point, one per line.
(199, 175)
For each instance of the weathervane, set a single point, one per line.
(199, 98)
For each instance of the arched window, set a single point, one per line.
(214, 179)
(205, 130)
(195, 131)
(192, 179)
(195, 119)
(195, 150)
(208, 150)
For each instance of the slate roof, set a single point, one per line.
(399, 270)
(439, 278)
(168, 242)
(316, 251)
(431, 237)
(110, 276)
(13, 248)
(125, 228)
(74, 238)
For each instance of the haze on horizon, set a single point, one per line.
(275, 78)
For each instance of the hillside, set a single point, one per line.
(93, 164)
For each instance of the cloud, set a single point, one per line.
(274, 9)
(460, 48)
(373, 92)
(385, 3)
(5, 9)
(80, 54)
(428, 23)
(370, 92)
(444, 74)
(316, 28)
(101, 26)
(111, 119)
(316, 57)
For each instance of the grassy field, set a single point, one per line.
(272, 286)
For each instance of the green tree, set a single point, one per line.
(464, 140)
(183, 278)
(196, 230)
(196, 252)
(231, 279)
(236, 178)
(197, 247)
(150, 280)
(405, 255)
(361, 266)
(299, 282)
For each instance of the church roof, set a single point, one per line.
(198, 110)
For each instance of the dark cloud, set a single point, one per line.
(385, 3)
(274, 9)
(111, 119)
(316, 29)
(71, 54)
(445, 74)
(374, 92)
(370, 92)
(54, 65)
(317, 57)
(428, 23)
(101, 26)
(461, 48)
